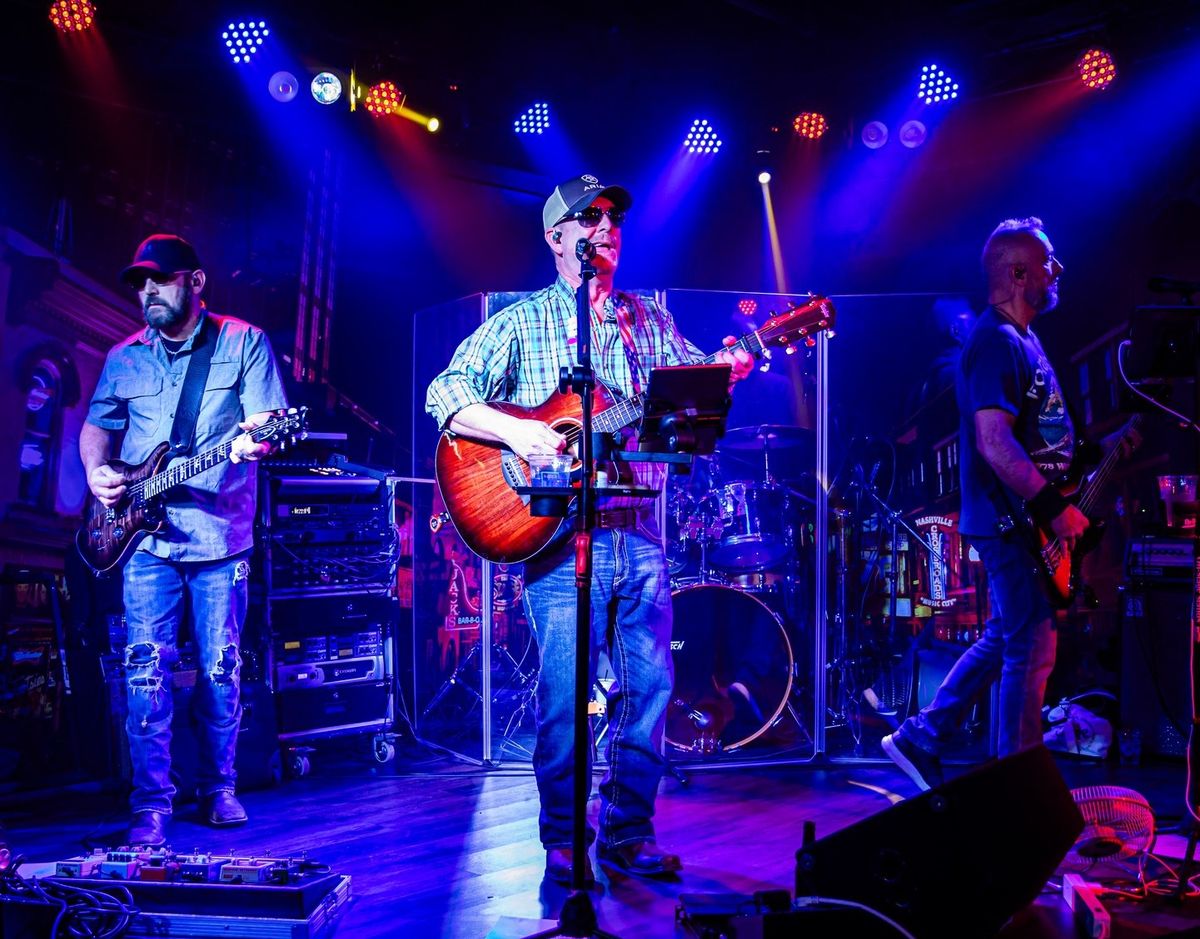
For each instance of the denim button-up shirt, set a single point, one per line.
(211, 516)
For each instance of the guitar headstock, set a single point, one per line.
(798, 324)
(285, 428)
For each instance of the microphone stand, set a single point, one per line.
(578, 916)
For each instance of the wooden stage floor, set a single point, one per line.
(437, 848)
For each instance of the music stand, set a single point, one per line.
(685, 409)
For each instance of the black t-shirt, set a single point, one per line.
(1003, 366)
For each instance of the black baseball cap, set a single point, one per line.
(160, 254)
(578, 193)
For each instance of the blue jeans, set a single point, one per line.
(631, 616)
(1017, 645)
(159, 594)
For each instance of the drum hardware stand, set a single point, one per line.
(526, 685)
(898, 649)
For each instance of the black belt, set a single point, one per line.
(619, 518)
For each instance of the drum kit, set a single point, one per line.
(737, 549)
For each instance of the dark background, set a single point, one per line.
(143, 125)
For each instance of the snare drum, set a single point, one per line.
(733, 669)
(753, 526)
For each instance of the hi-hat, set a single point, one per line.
(765, 437)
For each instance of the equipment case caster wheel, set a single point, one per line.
(383, 749)
(300, 765)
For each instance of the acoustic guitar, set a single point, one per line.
(476, 478)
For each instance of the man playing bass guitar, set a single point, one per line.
(197, 566)
(1016, 436)
(515, 356)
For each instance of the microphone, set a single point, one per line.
(1173, 285)
(584, 249)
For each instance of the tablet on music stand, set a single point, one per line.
(685, 409)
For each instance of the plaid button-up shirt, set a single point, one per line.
(516, 356)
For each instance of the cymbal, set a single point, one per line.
(765, 437)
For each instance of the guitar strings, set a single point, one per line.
(1053, 550)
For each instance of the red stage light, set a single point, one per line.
(73, 16)
(748, 306)
(382, 99)
(1096, 69)
(810, 125)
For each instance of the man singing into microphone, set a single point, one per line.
(515, 356)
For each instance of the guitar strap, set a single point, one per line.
(183, 430)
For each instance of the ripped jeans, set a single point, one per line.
(159, 595)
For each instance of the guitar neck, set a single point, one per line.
(183, 470)
(1100, 476)
(629, 411)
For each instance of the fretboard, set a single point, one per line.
(181, 471)
(629, 411)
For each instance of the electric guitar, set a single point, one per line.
(476, 478)
(109, 536)
(1060, 565)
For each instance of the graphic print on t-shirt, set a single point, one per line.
(1052, 446)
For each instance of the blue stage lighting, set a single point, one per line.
(535, 120)
(243, 38)
(326, 88)
(936, 86)
(702, 138)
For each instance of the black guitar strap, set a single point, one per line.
(184, 429)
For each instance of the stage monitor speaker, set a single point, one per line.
(957, 861)
(1156, 693)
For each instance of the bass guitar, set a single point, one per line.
(476, 478)
(1060, 565)
(109, 536)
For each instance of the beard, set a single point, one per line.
(1046, 301)
(160, 314)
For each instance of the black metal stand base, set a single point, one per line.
(578, 919)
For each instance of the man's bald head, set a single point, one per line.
(1014, 242)
(1021, 270)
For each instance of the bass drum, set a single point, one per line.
(733, 669)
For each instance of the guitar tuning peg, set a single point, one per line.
(810, 341)
(829, 334)
(790, 349)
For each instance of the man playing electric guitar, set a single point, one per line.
(515, 357)
(1016, 436)
(197, 566)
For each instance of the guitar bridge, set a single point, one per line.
(514, 472)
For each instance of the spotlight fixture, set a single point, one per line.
(73, 16)
(326, 88)
(810, 124)
(764, 177)
(1096, 69)
(747, 306)
(913, 134)
(382, 99)
(244, 38)
(702, 138)
(535, 120)
(283, 87)
(874, 135)
(936, 86)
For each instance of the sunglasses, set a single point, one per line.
(161, 278)
(590, 217)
